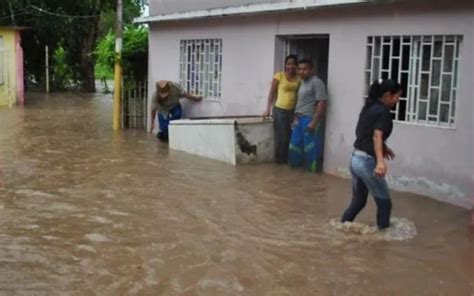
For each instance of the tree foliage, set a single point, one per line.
(134, 53)
(70, 28)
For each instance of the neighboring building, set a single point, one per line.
(229, 54)
(11, 67)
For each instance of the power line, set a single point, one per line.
(33, 10)
(16, 13)
(63, 15)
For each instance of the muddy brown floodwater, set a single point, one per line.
(85, 211)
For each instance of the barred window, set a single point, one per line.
(426, 67)
(201, 67)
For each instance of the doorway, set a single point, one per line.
(316, 48)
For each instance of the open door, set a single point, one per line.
(316, 48)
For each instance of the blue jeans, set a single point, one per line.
(364, 181)
(164, 120)
(306, 146)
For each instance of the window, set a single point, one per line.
(201, 67)
(2, 52)
(427, 69)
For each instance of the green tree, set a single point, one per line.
(72, 25)
(134, 54)
(62, 75)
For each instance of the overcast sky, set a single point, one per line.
(145, 10)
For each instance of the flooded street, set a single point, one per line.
(85, 211)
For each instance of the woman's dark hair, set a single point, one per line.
(379, 88)
(291, 57)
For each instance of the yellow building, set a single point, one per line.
(12, 90)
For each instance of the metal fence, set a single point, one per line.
(134, 107)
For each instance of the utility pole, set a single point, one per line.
(118, 66)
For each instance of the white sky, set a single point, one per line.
(145, 10)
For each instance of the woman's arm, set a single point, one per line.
(381, 168)
(271, 97)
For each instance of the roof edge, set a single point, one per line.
(248, 9)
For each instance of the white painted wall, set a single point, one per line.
(219, 139)
(433, 161)
(213, 139)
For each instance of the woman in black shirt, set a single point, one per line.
(368, 166)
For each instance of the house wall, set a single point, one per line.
(8, 88)
(432, 161)
(158, 7)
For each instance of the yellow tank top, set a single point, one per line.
(286, 98)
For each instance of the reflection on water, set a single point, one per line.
(85, 211)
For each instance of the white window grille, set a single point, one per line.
(2, 51)
(201, 67)
(426, 67)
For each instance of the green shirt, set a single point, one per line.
(164, 106)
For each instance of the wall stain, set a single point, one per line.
(244, 145)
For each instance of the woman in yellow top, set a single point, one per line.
(284, 88)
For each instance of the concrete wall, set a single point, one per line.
(196, 137)
(232, 140)
(433, 161)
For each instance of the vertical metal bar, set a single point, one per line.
(454, 85)
(419, 54)
(390, 64)
(400, 62)
(143, 102)
(373, 62)
(139, 105)
(187, 57)
(440, 91)
(390, 57)
(219, 69)
(132, 106)
(410, 84)
(135, 105)
(124, 116)
(181, 60)
(430, 77)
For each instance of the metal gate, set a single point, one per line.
(134, 107)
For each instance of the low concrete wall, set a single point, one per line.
(232, 140)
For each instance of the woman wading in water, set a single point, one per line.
(368, 167)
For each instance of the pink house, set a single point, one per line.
(228, 50)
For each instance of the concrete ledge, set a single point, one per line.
(232, 140)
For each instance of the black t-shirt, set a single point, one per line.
(375, 116)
